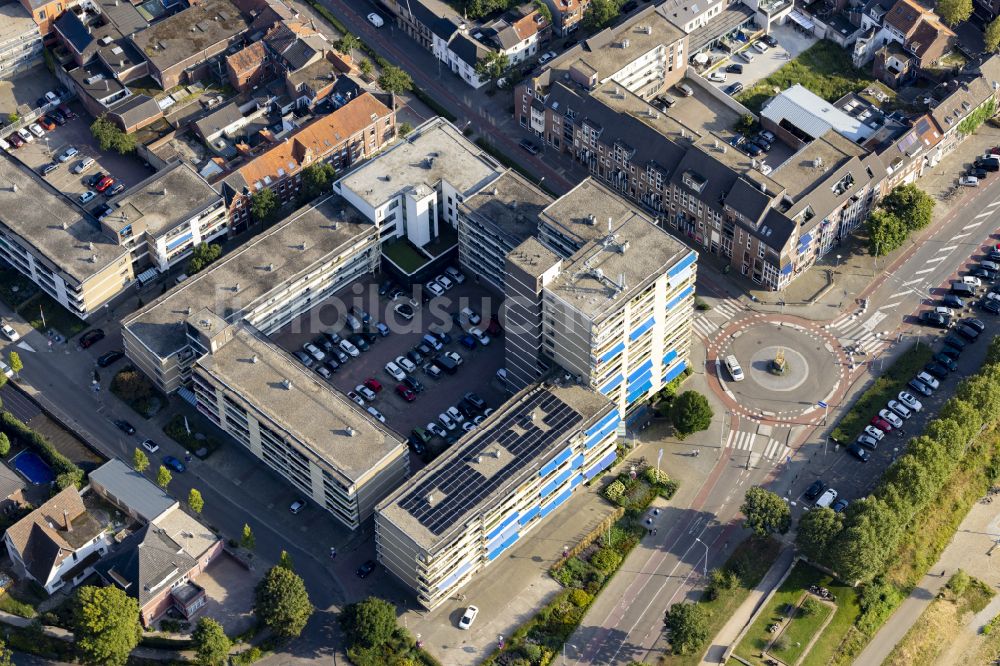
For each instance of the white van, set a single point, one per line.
(826, 499)
(733, 366)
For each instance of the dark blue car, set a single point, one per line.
(174, 464)
(467, 341)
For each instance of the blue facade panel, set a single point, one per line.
(502, 526)
(554, 504)
(551, 466)
(645, 326)
(680, 298)
(447, 582)
(603, 432)
(639, 391)
(183, 238)
(528, 515)
(613, 384)
(676, 370)
(601, 465)
(577, 461)
(614, 351)
(682, 264)
(600, 425)
(646, 365)
(669, 357)
(550, 487)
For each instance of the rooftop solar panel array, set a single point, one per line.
(460, 487)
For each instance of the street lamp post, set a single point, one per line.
(838, 262)
(704, 570)
(564, 652)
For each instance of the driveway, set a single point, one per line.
(791, 43)
(230, 591)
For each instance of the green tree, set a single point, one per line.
(911, 205)
(286, 561)
(687, 627)
(492, 66)
(366, 68)
(746, 124)
(370, 623)
(317, 179)
(195, 500)
(395, 80)
(211, 645)
(886, 232)
(110, 137)
(817, 530)
(992, 35)
(6, 656)
(13, 117)
(405, 129)
(690, 413)
(163, 477)
(870, 535)
(202, 255)
(4, 444)
(765, 512)
(140, 461)
(264, 205)
(14, 361)
(600, 14)
(105, 625)
(543, 10)
(248, 540)
(348, 44)
(282, 603)
(954, 11)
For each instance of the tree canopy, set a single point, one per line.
(163, 477)
(202, 255)
(282, 602)
(765, 512)
(954, 11)
(817, 530)
(109, 137)
(687, 627)
(317, 179)
(211, 645)
(492, 66)
(140, 461)
(992, 35)
(370, 623)
(690, 413)
(263, 205)
(601, 13)
(195, 500)
(105, 625)
(395, 80)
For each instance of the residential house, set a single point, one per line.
(710, 24)
(974, 90)
(20, 40)
(920, 35)
(12, 488)
(519, 33)
(431, 23)
(294, 44)
(248, 67)
(58, 543)
(44, 13)
(311, 84)
(130, 491)
(567, 14)
(183, 47)
(352, 133)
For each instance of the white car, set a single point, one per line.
(406, 364)
(911, 402)
(37, 130)
(874, 433)
(68, 154)
(87, 196)
(150, 445)
(900, 408)
(435, 429)
(930, 381)
(433, 287)
(446, 421)
(455, 274)
(455, 356)
(826, 499)
(356, 398)
(468, 426)
(26, 135)
(717, 76)
(377, 414)
(6, 370)
(480, 336)
(394, 371)
(891, 417)
(365, 392)
(472, 316)
(761, 47)
(349, 349)
(969, 181)
(375, 20)
(83, 165)
(942, 310)
(455, 415)
(470, 616)
(52, 97)
(445, 282)
(546, 57)
(314, 351)
(9, 332)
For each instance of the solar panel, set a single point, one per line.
(458, 486)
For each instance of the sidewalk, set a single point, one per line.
(733, 629)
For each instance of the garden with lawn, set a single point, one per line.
(824, 68)
(41, 311)
(798, 627)
(135, 390)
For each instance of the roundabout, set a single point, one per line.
(790, 367)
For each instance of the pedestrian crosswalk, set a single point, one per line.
(742, 440)
(707, 322)
(860, 332)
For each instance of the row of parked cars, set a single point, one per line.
(58, 115)
(754, 146)
(981, 168)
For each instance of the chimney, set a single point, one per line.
(287, 384)
(66, 523)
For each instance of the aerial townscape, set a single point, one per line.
(500, 332)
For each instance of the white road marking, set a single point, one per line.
(947, 249)
(889, 306)
(957, 236)
(898, 295)
(906, 284)
(926, 270)
(979, 216)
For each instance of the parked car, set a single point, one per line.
(378, 22)
(910, 401)
(367, 569)
(920, 387)
(107, 359)
(936, 371)
(9, 332)
(87, 197)
(83, 165)
(867, 441)
(47, 123)
(296, 506)
(350, 349)
(125, 426)
(454, 357)
(717, 76)
(891, 417)
(150, 445)
(313, 351)
(394, 371)
(455, 274)
(174, 464)
(874, 433)
(839, 505)
(404, 310)
(36, 129)
(952, 301)
(447, 421)
(468, 617)
(116, 189)
(815, 489)
(91, 337)
(968, 181)
(746, 56)
(734, 68)
(16, 140)
(946, 361)
(760, 47)
(545, 57)
(377, 414)
(769, 40)
(405, 392)
(826, 499)
(528, 145)
(734, 88)
(858, 452)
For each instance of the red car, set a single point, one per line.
(881, 424)
(405, 393)
(373, 384)
(494, 328)
(105, 183)
(47, 123)
(16, 140)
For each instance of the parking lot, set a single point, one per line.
(791, 42)
(477, 372)
(126, 169)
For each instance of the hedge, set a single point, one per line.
(64, 468)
